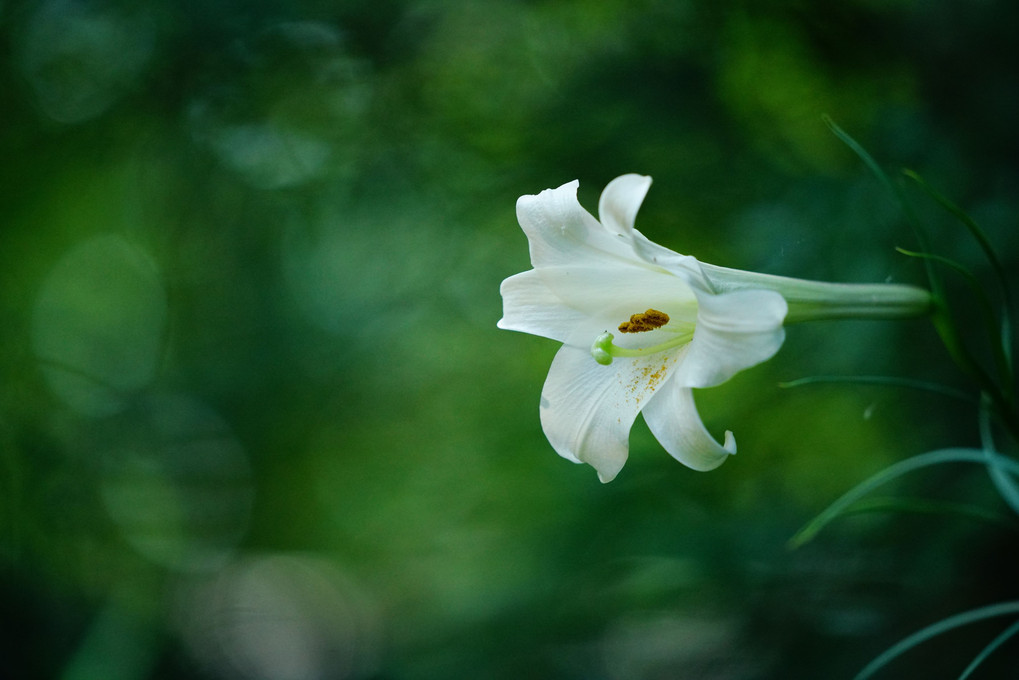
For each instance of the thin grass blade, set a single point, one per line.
(899, 469)
(943, 626)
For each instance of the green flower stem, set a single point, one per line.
(819, 300)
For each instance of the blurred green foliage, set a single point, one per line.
(256, 420)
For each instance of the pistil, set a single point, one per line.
(604, 350)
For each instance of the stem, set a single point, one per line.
(820, 300)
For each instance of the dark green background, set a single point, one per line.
(256, 420)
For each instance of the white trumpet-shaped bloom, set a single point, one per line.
(589, 278)
(642, 326)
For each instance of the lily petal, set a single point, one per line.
(609, 295)
(559, 229)
(620, 201)
(587, 409)
(576, 304)
(672, 417)
(734, 331)
(617, 210)
(530, 306)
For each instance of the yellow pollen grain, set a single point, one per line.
(648, 380)
(655, 377)
(646, 321)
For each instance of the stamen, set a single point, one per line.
(648, 321)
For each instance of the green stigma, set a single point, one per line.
(601, 349)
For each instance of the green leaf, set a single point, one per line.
(930, 507)
(1005, 337)
(992, 328)
(1001, 639)
(884, 380)
(894, 190)
(839, 507)
(978, 234)
(943, 626)
(1005, 485)
(941, 317)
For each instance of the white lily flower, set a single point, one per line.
(642, 326)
